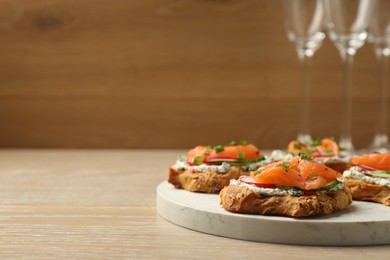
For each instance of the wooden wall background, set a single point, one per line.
(163, 74)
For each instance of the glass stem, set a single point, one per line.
(381, 132)
(304, 127)
(346, 101)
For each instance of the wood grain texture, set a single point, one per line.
(100, 204)
(163, 74)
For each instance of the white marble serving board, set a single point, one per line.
(362, 223)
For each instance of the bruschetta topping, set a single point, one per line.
(325, 147)
(235, 153)
(375, 161)
(374, 165)
(302, 173)
(369, 175)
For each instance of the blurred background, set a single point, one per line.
(165, 74)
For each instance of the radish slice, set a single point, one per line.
(193, 164)
(220, 158)
(320, 155)
(250, 180)
(215, 159)
(247, 179)
(365, 167)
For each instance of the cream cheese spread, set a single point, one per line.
(280, 192)
(267, 191)
(358, 173)
(333, 159)
(181, 164)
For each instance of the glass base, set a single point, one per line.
(346, 146)
(380, 144)
(304, 138)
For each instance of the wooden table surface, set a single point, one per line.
(100, 204)
(107, 74)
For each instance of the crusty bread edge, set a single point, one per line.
(365, 191)
(206, 182)
(241, 199)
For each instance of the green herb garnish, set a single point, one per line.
(305, 156)
(198, 159)
(298, 145)
(219, 148)
(258, 172)
(285, 164)
(241, 156)
(315, 142)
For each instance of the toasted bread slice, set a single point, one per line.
(241, 199)
(362, 190)
(208, 182)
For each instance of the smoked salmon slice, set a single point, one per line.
(325, 147)
(235, 151)
(379, 161)
(304, 174)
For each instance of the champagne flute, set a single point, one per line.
(347, 25)
(379, 37)
(304, 21)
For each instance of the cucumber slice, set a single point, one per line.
(329, 186)
(286, 187)
(380, 174)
